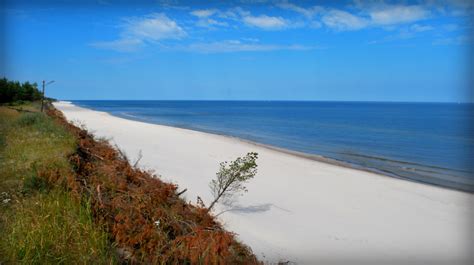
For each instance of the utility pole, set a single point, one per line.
(42, 98)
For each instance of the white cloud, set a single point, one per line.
(265, 22)
(153, 27)
(376, 15)
(121, 45)
(398, 14)
(205, 20)
(459, 40)
(308, 12)
(452, 7)
(402, 20)
(210, 23)
(240, 15)
(227, 46)
(204, 13)
(361, 15)
(342, 20)
(450, 27)
(420, 28)
(233, 13)
(251, 39)
(315, 24)
(138, 31)
(404, 33)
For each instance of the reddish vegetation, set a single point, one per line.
(146, 219)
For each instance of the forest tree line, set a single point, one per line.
(11, 91)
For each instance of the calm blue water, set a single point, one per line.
(425, 142)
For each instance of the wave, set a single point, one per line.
(385, 159)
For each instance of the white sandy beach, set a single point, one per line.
(301, 210)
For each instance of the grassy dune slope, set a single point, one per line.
(42, 223)
(67, 197)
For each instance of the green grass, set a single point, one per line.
(41, 222)
(32, 144)
(52, 228)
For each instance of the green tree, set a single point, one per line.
(11, 91)
(6, 91)
(231, 178)
(29, 91)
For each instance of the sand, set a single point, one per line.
(298, 209)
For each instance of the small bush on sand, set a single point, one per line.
(231, 178)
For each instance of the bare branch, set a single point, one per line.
(139, 157)
(122, 153)
(181, 192)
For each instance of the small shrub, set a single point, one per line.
(34, 183)
(16, 103)
(29, 119)
(232, 177)
(3, 141)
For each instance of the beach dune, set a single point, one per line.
(298, 209)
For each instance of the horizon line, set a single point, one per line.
(274, 100)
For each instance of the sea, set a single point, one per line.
(432, 143)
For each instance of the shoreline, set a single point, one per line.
(298, 209)
(313, 157)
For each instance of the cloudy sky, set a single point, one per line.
(241, 50)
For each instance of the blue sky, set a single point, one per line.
(242, 50)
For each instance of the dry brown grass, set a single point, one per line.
(144, 216)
